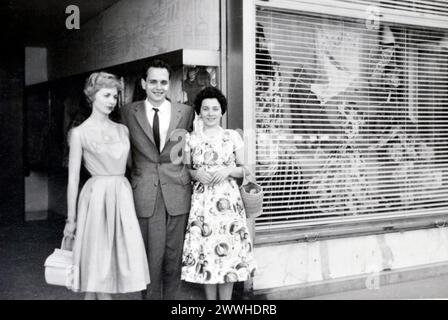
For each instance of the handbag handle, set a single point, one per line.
(63, 241)
(245, 179)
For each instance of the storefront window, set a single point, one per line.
(196, 78)
(351, 120)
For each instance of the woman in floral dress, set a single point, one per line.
(217, 250)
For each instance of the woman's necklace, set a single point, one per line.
(103, 127)
(105, 134)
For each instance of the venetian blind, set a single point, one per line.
(351, 121)
(416, 12)
(433, 7)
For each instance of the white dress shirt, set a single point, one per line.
(164, 119)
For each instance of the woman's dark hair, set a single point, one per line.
(157, 63)
(210, 93)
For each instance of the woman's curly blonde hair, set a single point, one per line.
(99, 80)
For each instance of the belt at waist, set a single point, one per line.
(107, 175)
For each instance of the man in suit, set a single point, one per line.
(160, 182)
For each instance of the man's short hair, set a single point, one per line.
(157, 63)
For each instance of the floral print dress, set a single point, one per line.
(217, 247)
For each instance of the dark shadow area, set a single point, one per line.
(23, 250)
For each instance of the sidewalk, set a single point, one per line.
(430, 288)
(24, 248)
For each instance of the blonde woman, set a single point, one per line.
(108, 249)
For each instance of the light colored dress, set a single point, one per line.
(109, 253)
(217, 247)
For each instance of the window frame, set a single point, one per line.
(324, 231)
(346, 229)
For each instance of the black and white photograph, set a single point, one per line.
(248, 151)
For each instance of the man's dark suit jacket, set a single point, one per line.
(151, 169)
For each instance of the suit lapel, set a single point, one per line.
(140, 115)
(176, 115)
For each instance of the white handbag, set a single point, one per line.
(59, 269)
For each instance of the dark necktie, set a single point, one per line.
(155, 128)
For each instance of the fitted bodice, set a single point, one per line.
(212, 153)
(106, 157)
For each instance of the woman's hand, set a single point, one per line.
(220, 175)
(69, 230)
(69, 235)
(203, 176)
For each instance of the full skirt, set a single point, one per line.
(109, 253)
(218, 247)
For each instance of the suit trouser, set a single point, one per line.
(163, 235)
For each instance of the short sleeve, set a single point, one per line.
(237, 140)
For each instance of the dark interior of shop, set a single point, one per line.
(34, 123)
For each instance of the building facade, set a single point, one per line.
(345, 110)
(343, 105)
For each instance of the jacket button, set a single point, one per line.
(156, 183)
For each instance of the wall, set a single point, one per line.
(35, 65)
(136, 29)
(235, 63)
(299, 264)
(36, 131)
(36, 196)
